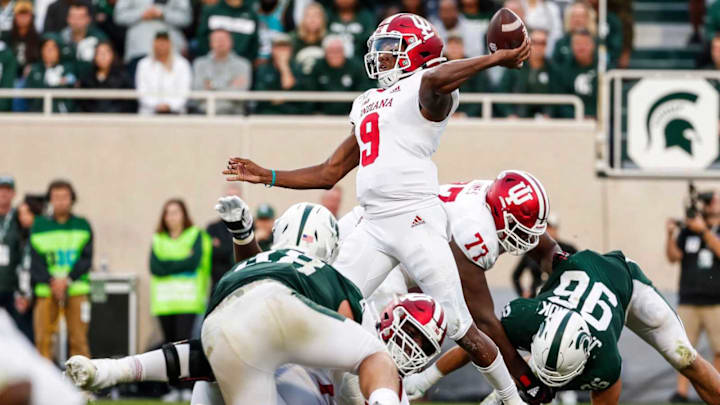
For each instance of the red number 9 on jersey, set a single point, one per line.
(369, 133)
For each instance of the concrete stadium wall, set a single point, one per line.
(125, 168)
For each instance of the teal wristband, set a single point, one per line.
(274, 177)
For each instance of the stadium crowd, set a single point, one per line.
(165, 48)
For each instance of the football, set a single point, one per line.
(506, 31)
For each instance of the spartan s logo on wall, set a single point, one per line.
(672, 124)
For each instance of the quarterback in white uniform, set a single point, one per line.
(395, 131)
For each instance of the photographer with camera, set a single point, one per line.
(697, 248)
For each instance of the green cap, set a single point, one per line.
(265, 211)
(7, 181)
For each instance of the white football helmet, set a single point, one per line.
(307, 227)
(561, 347)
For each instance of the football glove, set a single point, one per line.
(416, 384)
(236, 215)
(534, 392)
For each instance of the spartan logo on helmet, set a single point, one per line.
(672, 124)
(665, 119)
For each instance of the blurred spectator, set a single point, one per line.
(61, 258)
(478, 83)
(264, 220)
(580, 74)
(697, 248)
(529, 264)
(236, 17)
(544, 15)
(223, 256)
(106, 73)
(145, 18)
(479, 10)
(618, 48)
(23, 39)
(712, 20)
(10, 248)
(180, 263)
(105, 21)
(714, 53)
(31, 208)
(274, 16)
(222, 70)
(696, 9)
(451, 23)
(8, 73)
(477, 14)
(337, 73)
(535, 77)
(7, 8)
(80, 38)
(163, 79)
(56, 17)
(354, 23)
(578, 16)
(622, 11)
(332, 200)
(282, 73)
(49, 73)
(307, 39)
(414, 6)
(516, 6)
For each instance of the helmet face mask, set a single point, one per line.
(408, 39)
(413, 328)
(519, 206)
(518, 239)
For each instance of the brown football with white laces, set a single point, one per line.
(506, 31)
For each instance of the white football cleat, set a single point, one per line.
(94, 375)
(492, 399)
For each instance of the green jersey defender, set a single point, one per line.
(572, 327)
(314, 281)
(600, 287)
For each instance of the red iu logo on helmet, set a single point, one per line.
(518, 194)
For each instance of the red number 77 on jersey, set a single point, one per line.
(479, 241)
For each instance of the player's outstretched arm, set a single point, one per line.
(608, 396)
(325, 175)
(236, 216)
(482, 308)
(545, 252)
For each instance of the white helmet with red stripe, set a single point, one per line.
(519, 206)
(413, 327)
(401, 45)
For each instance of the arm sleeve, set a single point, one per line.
(38, 267)
(84, 262)
(128, 12)
(178, 13)
(168, 267)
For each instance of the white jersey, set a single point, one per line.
(396, 174)
(20, 362)
(471, 223)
